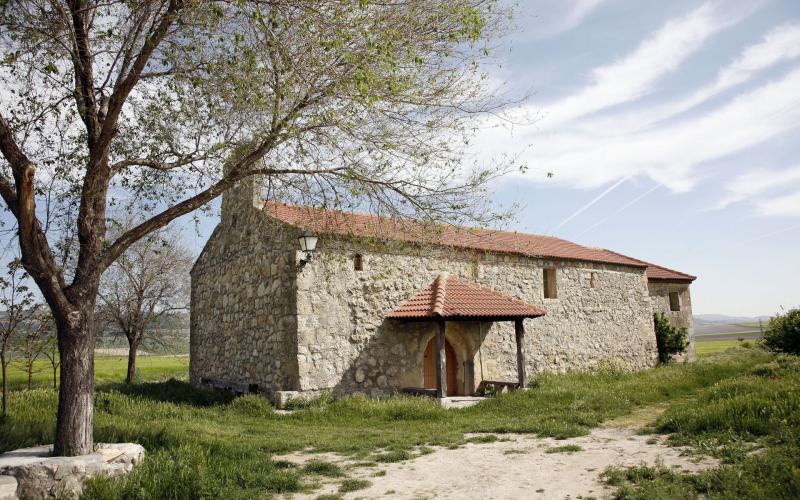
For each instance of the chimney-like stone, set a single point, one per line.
(243, 196)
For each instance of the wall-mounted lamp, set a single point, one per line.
(308, 243)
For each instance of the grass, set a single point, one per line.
(323, 468)
(567, 448)
(707, 347)
(107, 369)
(750, 422)
(204, 444)
(349, 485)
(753, 324)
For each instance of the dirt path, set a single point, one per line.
(515, 466)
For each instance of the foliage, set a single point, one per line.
(783, 332)
(670, 339)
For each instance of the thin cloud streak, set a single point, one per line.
(779, 45)
(636, 74)
(620, 210)
(592, 202)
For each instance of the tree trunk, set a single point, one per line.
(76, 393)
(133, 347)
(5, 384)
(30, 377)
(55, 373)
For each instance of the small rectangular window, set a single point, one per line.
(473, 271)
(550, 289)
(592, 280)
(674, 301)
(358, 262)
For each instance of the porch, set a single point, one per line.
(455, 301)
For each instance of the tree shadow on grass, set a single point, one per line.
(172, 391)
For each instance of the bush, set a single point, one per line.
(670, 339)
(783, 333)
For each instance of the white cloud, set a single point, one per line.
(636, 74)
(554, 17)
(670, 154)
(756, 183)
(779, 45)
(788, 206)
(580, 11)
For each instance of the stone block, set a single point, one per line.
(38, 474)
(8, 488)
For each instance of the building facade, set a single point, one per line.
(261, 323)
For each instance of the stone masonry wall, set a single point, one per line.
(243, 326)
(659, 296)
(346, 345)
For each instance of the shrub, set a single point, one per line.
(783, 333)
(670, 339)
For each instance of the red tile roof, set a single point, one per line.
(490, 240)
(661, 273)
(450, 297)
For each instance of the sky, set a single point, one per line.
(672, 132)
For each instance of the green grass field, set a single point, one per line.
(204, 444)
(753, 324)
(108, 369)
(705, 348)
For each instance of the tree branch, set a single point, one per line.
(162, 219)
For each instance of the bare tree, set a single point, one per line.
(31, 344)
(141, 103)
(150, 280)
(18, 308)
(51, 353)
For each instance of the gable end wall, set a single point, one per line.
(243, 323)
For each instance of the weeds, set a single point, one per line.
(323, 468)
(758, 410)
(349, 485)
(567, 448)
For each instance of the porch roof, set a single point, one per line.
(449, 297)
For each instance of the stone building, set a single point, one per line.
(387, 305)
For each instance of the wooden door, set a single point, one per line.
(429, 366)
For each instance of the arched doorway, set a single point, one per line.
(450, 366)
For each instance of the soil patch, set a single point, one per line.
(515, 465)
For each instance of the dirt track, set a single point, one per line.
(515, 466)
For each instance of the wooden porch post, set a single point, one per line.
(519, 329)
(441, 380)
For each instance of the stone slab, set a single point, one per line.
(8, 488)
(38, 474)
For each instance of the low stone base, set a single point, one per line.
(38, 474)
(283, 399)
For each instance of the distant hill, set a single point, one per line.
(727, 320)
(720, 326)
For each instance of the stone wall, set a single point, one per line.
(242, 301)
(659, 296)
(346, 345)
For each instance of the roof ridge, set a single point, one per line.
(427, 232)
(439, 291)
(653, 265)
